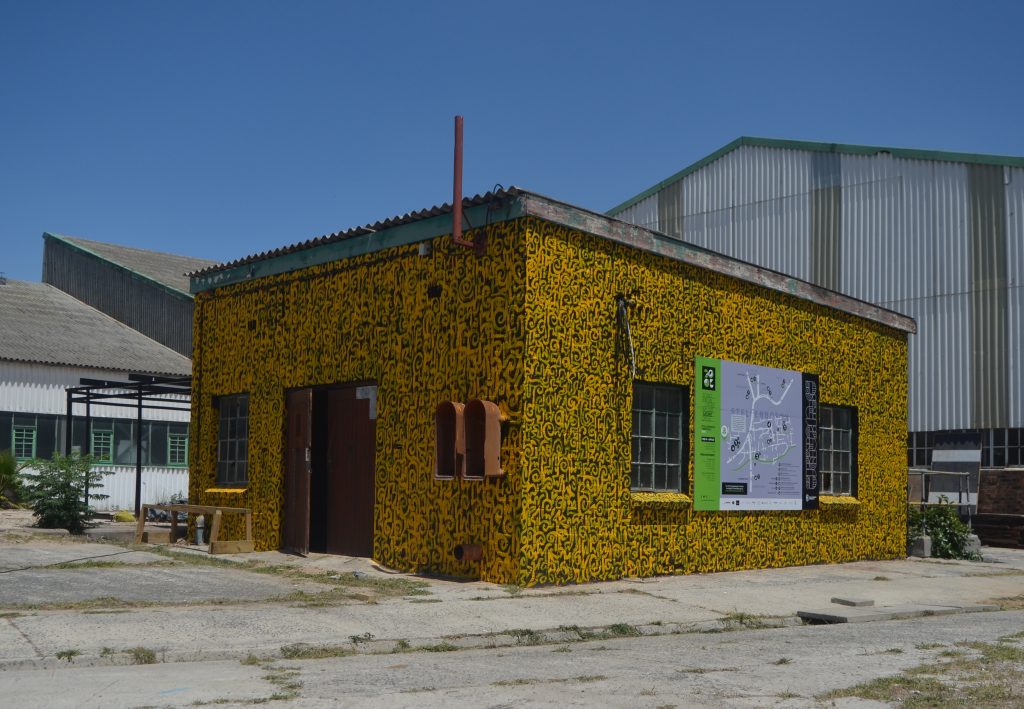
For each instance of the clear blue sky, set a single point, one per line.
(220, 129)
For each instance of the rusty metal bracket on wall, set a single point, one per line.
(622, 305)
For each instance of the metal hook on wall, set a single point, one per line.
(623, 304)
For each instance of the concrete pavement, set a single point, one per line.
(187, 612)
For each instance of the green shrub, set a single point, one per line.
(942, 523)
(10, 481)
(55, 489)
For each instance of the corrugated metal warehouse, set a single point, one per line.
(937, 236)
(146, 290)
(571, 398)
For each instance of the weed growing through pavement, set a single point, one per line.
(525, 636)
(301, 651)
(141, 655)
(984, 674)
(68, 655)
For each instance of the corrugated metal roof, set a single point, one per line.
(819, 147)
(43, 324)
(407, 218)
(519, 202)
(168, 270)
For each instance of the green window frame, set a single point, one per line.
(177, 450)
(101, 446)
(23, 442)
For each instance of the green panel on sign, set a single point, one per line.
(706, 430)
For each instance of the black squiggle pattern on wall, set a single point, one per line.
(531, 325)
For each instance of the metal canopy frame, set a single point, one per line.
(142, 391)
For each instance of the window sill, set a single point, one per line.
(227, 490)
(838, 500)
(653, 499)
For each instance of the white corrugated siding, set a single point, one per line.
(905, 244)
(1014, 178)
(644, 213)
(40, 389)
(751, 204)
(158, 485)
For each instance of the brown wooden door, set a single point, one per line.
(351, 458)
(297, 471)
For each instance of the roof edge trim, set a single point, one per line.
(365, 243)
(59, 363)
(670, 247)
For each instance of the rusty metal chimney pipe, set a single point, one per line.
(457, 188)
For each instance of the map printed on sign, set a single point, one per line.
(755, 446)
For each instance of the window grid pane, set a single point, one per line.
(24, 442)
(177, 448)
(102, 447)
(836, 455)
(232, 448)
(657, 438)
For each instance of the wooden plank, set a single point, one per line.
(231, 546)
(140, 525)
(215, 528)
(197, 509)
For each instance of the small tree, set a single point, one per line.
(10, 482)
(949, 535)
(56, 490)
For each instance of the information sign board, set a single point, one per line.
(755, 437)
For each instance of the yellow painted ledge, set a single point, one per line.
(650, 499)
(225, 491)
(838, 500)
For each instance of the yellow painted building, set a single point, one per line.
(319, 368)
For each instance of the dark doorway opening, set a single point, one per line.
(329, 486)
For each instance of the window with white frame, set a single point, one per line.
(233, 440)
(659, 438)
(837, 459)
(23, 442)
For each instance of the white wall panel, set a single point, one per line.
(40, 389)
(158, 485)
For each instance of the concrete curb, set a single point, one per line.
(448, 643)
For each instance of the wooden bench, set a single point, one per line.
(216, 545)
